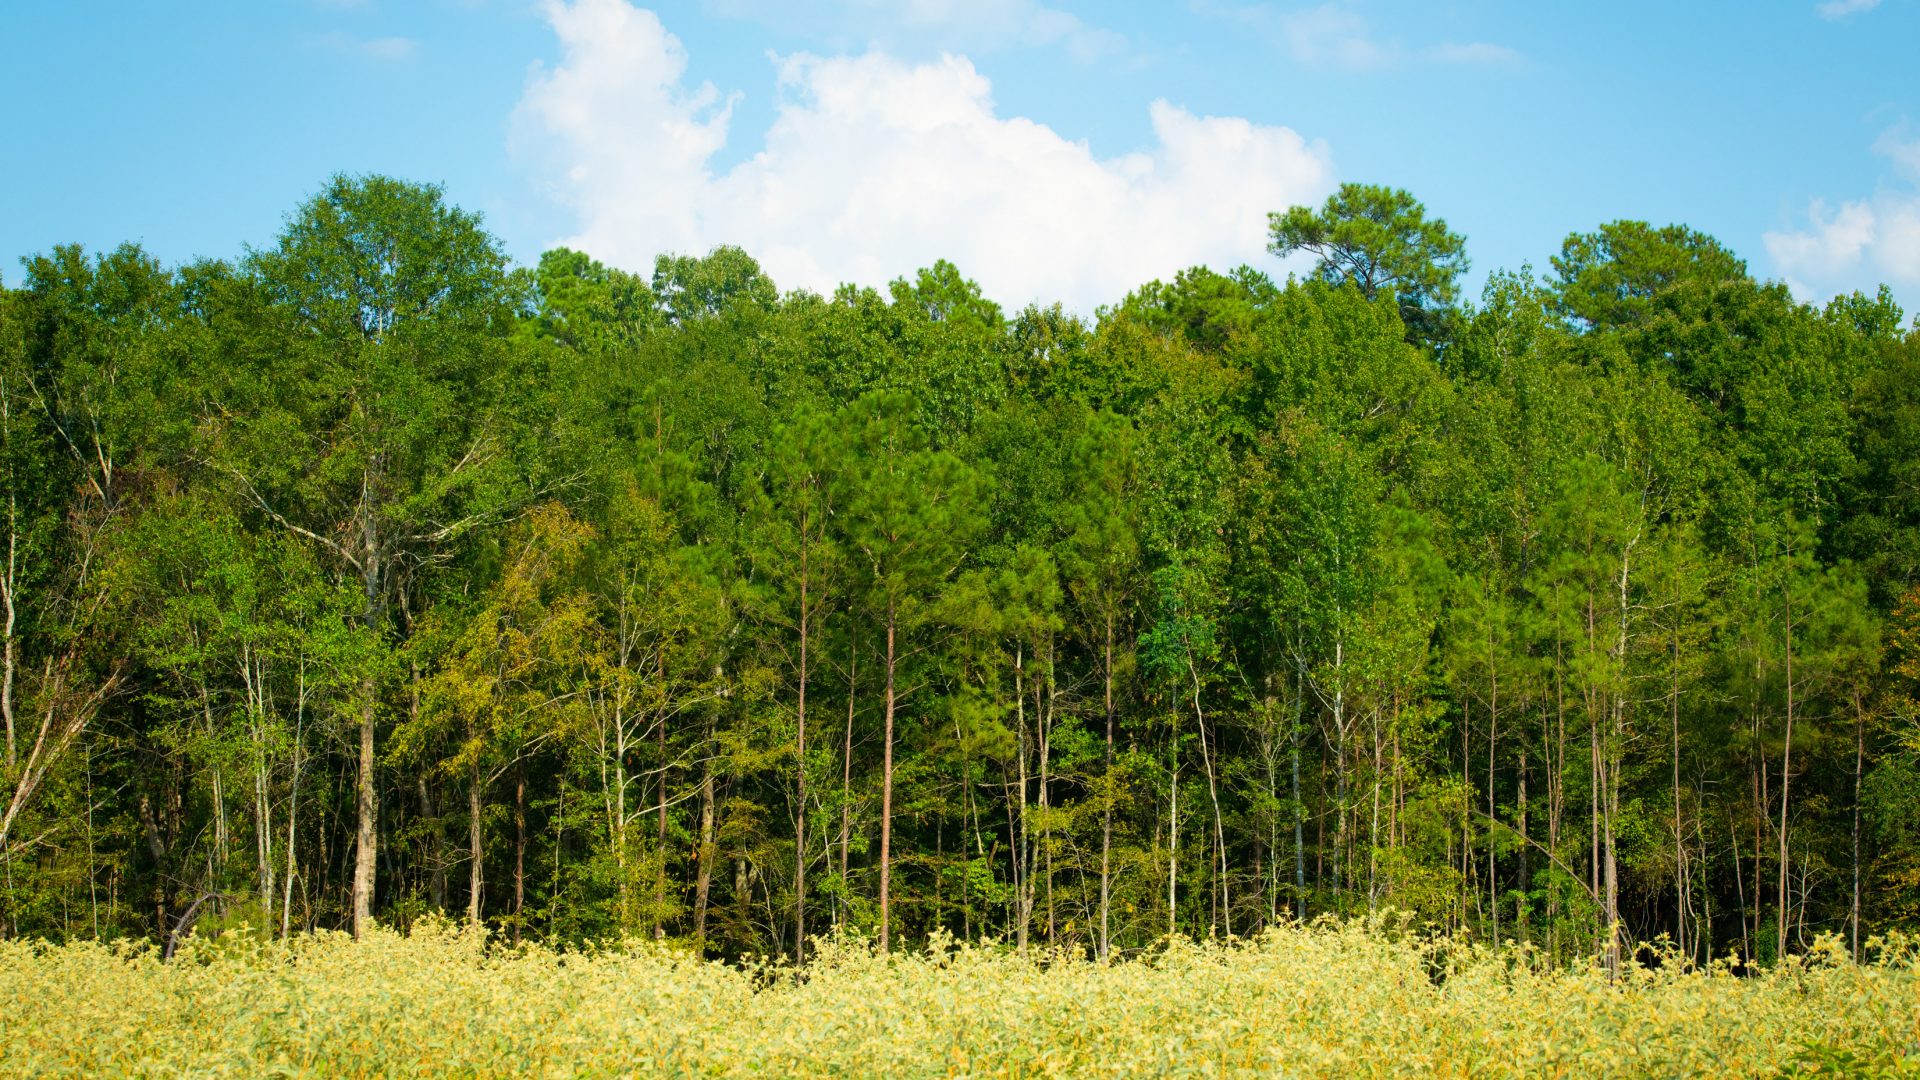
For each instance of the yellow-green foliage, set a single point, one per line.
(1302, 1001)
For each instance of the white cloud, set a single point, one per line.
(1863, 244)
(952, 25)
(1333, 33)
(996, 24)
(1840, 9)
(873, 167)
(1894, 145)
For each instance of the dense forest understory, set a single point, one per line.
(367, 576)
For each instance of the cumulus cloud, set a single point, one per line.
(873, 167)
(976, 26)
(1862, 244)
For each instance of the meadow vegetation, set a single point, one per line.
(1327, 999)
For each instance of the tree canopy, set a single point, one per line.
(368, 576)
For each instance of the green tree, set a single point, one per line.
(1614, 278)
(590, 307)
(506, 676)
(797, 554)
(375, 421)
(727, 278)
(911, 513)
(1380, 240)
(1101, 562)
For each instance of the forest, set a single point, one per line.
(367, 577)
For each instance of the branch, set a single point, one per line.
(185, 921)
(260, 501)
(1544, 851)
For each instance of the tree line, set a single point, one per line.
(368, 576)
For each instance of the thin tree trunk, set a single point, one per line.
(1173, 831)
(1786, 780)
(1339, 770)
(1682, 903)
(1373, 826)
(1859, 764)
(9, 584)
(367, 809)
(519, 851)
(1299, 812)
(1740, 890)
(476, 852)
(1223, 905)
(1106, 811)
(293, 802)
(886, 794)
(1021, 841)
(709, 851)
(846, 777)
(1493, 730)
(660, 836)
(1045, 719)
(800, 779)
(1525, 912)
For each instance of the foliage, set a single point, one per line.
(1322, 1000)
(368, 579)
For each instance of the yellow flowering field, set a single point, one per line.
(1319, 1000)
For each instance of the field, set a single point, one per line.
(1304, 1001)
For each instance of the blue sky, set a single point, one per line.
(1054, 150)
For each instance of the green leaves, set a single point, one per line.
(911, 511)
(1379, 240)
(1621, 276)
(1235, 581)
(377, 258)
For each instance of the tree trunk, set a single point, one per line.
(660, 836)
(476, 851)
(1859, 764)
(1299, 813)
(1786, 780)
(1681, 902)
(846, 777)
(800, 784)
(367, 799)
(1223, 906)
(886, 793)
(1106, 810)
(9, 584)
(1173, 828)
(293, 803)
(519, 851)
(1045, 719)
(703, 872)
(1525, 912)
(367, 808)
(1493, 730)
